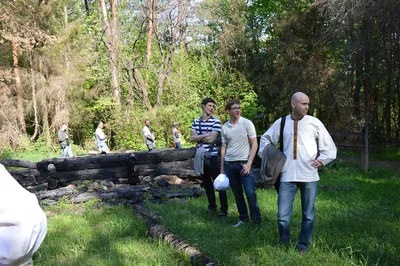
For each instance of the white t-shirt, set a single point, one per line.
(237, 138)
(100, 136)
(176, 134)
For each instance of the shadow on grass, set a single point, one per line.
(363, 223)
(358, 226)
(105, 236)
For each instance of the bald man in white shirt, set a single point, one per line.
(307, 146)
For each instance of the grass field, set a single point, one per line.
(357, 223)
(93, 234)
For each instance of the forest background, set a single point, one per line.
(82, 61)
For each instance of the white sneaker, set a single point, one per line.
(240, 223)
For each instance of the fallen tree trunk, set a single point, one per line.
(182, 169)
(132, 194)
(55, 194)
(29, 177)
(164, 156)
(19, 163)
(89, 174)
(87, 162)
(158, 231)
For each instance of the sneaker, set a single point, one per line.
(240, 223)
(303, 252)
(223, 214)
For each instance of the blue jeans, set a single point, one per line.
(287, 192)
(66, 152)
(239, 183)
(178, 145)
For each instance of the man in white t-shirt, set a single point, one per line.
(307, 146)
(239, 147)
(148, 136)
(101, 139)
(23, 224)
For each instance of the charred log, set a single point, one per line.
(19, 163)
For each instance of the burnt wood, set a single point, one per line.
(19, 163)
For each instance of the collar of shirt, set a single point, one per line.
(238, 122)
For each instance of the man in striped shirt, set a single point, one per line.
(205, 130)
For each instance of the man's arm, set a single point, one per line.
(253, 151)
(194, 137)
(211, 138)
(223, 152)
(327, 148)
(271, 136)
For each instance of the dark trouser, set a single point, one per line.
(210, 173)
(240, 184)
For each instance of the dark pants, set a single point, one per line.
(240, 184)
(210, 173)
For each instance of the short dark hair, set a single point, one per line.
(207, 100)
(230, 103)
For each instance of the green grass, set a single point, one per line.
(392, 155)
(357, 223)
(92, 234)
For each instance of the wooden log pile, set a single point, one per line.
(113, 167)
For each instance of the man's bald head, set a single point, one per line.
(298, 96)
(299, 102)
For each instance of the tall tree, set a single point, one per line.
(18, 87)
(111, 32)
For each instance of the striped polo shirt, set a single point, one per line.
(206, 127)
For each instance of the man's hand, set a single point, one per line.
(316, 164)
(246, 169)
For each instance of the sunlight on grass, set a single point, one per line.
(357, 223)
(92, 234)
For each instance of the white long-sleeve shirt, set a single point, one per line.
(23, 224)
(303, 141)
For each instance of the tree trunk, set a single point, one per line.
(18, 88)
(66, 55)
(150, 25)
(357, 89)
(165, 69)
(110, 30)
(182, 13)
(36, 132)
(113, 50)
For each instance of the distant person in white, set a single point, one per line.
(101, 139)
(176, 135)
(23, 224)
(307, 146)
(148, 136)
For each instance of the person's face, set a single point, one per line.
(300, 108)
(234, 111)
(101, 125)
(147, 123)
(64, 127)
(209, 108)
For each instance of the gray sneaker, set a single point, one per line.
(240, 223)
